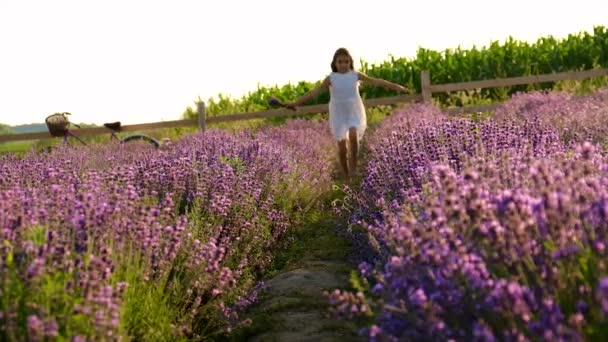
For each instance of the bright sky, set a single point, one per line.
(146, 61)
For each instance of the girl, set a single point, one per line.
(347, 119)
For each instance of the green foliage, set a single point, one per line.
(19, 147)
(146, 313)
(511, 58)
(236, 163)
(25, 296)
(6, 129)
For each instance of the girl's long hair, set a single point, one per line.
(338, 53)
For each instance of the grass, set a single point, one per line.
(314, 240)
(146, 313)
(16, 146)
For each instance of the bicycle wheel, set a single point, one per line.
(141, 137)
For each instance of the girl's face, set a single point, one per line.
(343, 64)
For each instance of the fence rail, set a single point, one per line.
(426, 94)
(101, 130)
(511, 81)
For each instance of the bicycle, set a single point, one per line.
(59, 126)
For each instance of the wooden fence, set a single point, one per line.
(427, 91)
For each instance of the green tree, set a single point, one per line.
(511, 58)
(5, 129)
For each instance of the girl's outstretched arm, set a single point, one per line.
(382, 83)
(310, 95)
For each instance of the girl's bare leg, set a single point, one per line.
(354, 150)
(342, 155)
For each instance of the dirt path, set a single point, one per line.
(293, 307)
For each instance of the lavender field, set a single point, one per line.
(484, 230)
(466, 230)
(99, 243)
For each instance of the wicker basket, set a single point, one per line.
(58, 124)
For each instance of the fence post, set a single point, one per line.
(200, 109)
(425, 85)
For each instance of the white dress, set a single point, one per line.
(346, 108)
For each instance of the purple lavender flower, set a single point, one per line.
(502, 219)
(602, 293)
(207, 207)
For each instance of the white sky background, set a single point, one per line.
(146, 61)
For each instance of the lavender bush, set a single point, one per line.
(505, 241)
(578, 118)
(404, 148)
(102, 243)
